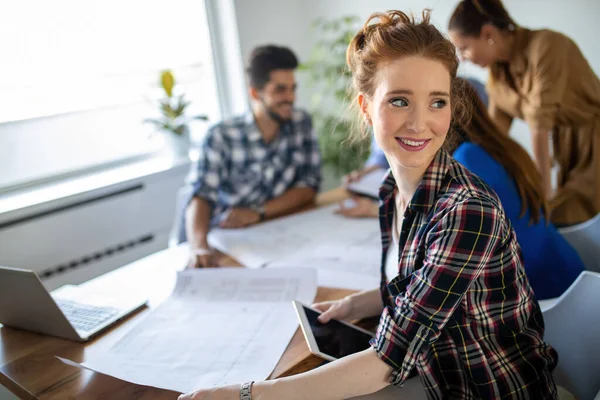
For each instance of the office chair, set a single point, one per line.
(177, 234)
(585, 238)
(573, 329)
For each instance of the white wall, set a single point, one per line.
(283, 23)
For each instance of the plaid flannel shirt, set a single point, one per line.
(236, 168)
(461, 310)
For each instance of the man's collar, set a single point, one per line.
(254, 132)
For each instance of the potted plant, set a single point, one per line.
(329, 79)
(173, 122)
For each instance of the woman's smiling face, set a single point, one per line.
(410, 110)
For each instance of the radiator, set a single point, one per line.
(76, 239)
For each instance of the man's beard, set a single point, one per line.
(273, 114)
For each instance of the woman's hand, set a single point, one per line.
(356, 306)
(354, 176)
(337, 309)
(359, 207)
(221, 393)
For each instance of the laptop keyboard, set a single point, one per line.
(85, 318)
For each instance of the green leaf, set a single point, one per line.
(180, 129)
(167, 110)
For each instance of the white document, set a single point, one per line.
(369, 184)
(244, 285)
(316, 239)
(345, 251)
(219, 327)
(354, 264)
(336, 278)
(256, 246)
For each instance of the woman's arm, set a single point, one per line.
(502, 120)
(356, 375)
(541, 154)
(351, 376)
(366, 304)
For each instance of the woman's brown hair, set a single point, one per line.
(471, 15)
(392, 35)
(482, 131)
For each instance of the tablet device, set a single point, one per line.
(333, 340)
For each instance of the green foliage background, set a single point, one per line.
(329, 79)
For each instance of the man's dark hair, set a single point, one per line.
(265, 59)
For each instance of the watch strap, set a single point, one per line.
(246, 391)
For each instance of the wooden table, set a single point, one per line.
(29, 368)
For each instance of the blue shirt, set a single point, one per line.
(236, 168)
(551, 264)
(377, 156)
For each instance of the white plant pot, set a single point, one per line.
(177, 146)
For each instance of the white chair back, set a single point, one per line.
(585, 238)
(573, 329)
(177, 234)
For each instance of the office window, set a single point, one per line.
(79, 76)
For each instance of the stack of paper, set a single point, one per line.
(219, 327)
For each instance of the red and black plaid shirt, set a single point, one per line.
(461, 310)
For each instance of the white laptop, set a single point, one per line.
(26, 304)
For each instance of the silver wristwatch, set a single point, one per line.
(261, 212)
(246, 391)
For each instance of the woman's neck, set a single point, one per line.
(407, 181)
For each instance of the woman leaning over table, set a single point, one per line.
(542, 77)
(457, 307)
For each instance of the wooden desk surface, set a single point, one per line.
(29, 368)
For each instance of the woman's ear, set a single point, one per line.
(363, 105)
(488, 33)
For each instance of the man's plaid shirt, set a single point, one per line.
(236, 168)
(461, 310)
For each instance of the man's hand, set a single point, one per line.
(239, 218)
(202, 258)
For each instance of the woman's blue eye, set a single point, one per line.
(439, 104)
(399, 102)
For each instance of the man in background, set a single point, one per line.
(256, 166)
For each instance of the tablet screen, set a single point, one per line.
(336, 339)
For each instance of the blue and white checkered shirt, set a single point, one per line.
(236, 168)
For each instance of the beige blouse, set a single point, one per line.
(552, 83)
(549, 84)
